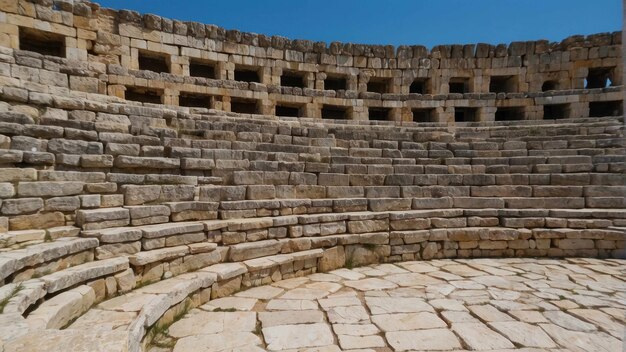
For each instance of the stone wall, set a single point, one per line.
(154, 59)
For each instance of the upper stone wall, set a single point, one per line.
(154, 59)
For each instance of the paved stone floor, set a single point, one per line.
(478, 304)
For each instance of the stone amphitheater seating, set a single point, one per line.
(111, 228)
(118, 216)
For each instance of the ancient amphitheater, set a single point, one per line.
(174, 186)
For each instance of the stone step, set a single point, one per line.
(35, 260)
(82, 273)
(139, 310)
(31, 292)
(61, 309)
(274, 261)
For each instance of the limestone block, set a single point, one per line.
(49, 189)
(81, 273)
(41, 221)
(21, 206)
(158, 255)
(251, 250)
(136, 195)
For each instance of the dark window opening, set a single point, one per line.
(378, 85)
(555, 111)
(459, 85)
(335, 83)
(243, 106)
(334, 112)
(599, 77)
(201, 69)
(292, 79)
(510, 114)
(549, 85)
(419, 86)
(503, 84)
(195, 100)
(153, 62)
(44, 43)
(143, 95)
(288, 110)
(423, 115)
(247, 75)
(606, 108)
(465, 114)
(378, 114)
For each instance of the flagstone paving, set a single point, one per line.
(439, 305)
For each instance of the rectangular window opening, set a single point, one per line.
(334, 112)
(292, 79)
(424, 115)
(198, 68)
(606, 108)
(153, 62)
(335, 83)
(509, 114)
(459, 85)
(420, 86)
(555, 111)
(465, 114)
(247, 75)
(191, 100)
(378, 114)
(601, 77)
(378, 85)
(503, 84)
(44, 43)
(143, 95)
(243, 106)
(288, 110)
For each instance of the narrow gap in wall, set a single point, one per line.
(247, 75)
(503, 84)
(335, 83)
(549, 85)
(143, 95)
(419, 86)
(243, 106)
(292, 79)
(424, 115)
(600, 77)
(191, 100)
(45, 43)
(510, 113)
(378, 114)
(200, 68)
(288, 110)
(606, 108)
(465, 114)
(334, 112)
(378, 85)
(555, 111)
(154, 62)
(459, 85)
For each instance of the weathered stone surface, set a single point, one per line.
(431, 339)
(302, 336)
(49, 189)
(245, 251)
(524, 334)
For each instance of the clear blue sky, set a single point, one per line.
(396, 22)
